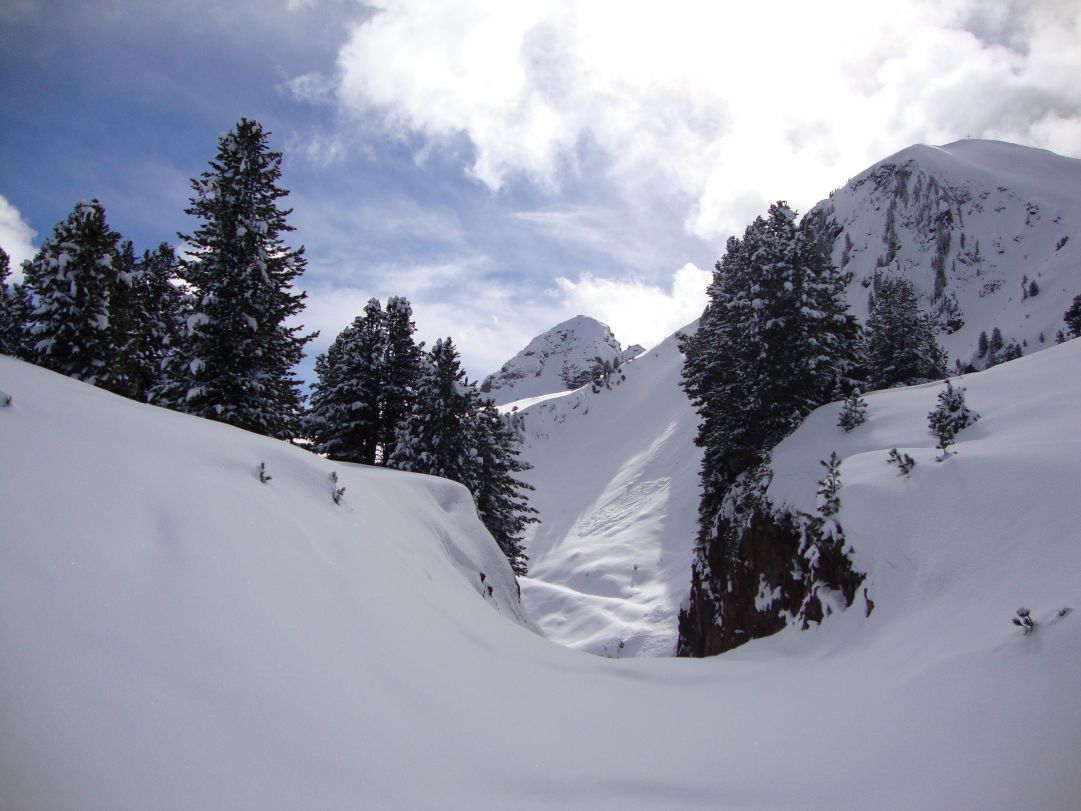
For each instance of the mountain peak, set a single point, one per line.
(565, 357)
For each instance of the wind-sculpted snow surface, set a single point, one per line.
(176, 634)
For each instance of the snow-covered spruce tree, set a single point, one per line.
(899, 347)
(950, 416)
(500, 497)
(15, 308)
(401, 368)
(161, 318)
(73, 279)
(1072, 317)
(774, 343)
(435, 438)
(853, 411)
(235, 361)
(343, 416)
(450, 433)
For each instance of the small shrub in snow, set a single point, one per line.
(1024, 621)
(853, 412)
(263, 476)
(902, 461)
(336, 492)
(949, 416)
(829, 486)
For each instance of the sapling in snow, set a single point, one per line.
(902, 461)
(264, 477)
(336, 492)
(949, 416)
(829, 486)
(1024, 621)
(853, 412)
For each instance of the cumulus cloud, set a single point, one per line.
(636, 311)
(730, 106)
(16, 237)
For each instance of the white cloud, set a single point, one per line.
(638, 312)
(731, 106)
(16, 237)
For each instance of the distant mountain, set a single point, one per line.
(566, 357)
(988, 233)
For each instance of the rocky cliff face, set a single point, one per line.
(567, 356)
(763, 569)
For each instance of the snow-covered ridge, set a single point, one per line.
(567, 356)
(972, 225)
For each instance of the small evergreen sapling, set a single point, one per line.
(829, 486)
(902, 461)
(949, 417)
(853, 412)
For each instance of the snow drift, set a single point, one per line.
(176, 634)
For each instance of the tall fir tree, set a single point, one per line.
(776, 341)
(159, 303)
(401, 368)
(236, 360)
(1072, 317)
(434, 438)
(500, 497)
(73, 279)
(451, 433)
(343, 416)
(899, 347)
(15, 311)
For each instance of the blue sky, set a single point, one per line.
(509, 165)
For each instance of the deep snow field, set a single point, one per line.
(176, 634)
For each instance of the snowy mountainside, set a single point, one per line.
(616, 476)
(176, 634)
(567, 356)
(972, 225)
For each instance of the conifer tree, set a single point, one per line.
(501, 503)
(450, 433)
(1072, 317)
(434, 438)
(343, 417)
(73, 279)
(236, 359)
(774, 343)
(401, 364)
(160, 306)
(14, 313)
(899, 347)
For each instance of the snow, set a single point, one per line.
(176, 634)
(1012, 206)
(557, 360)
(616, 477)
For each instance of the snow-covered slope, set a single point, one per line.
(565, 357)
(972, 224)
(175, 634)
(616, 477)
